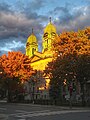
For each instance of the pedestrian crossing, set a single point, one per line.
(22, 115)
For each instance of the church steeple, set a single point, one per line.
(49, 36)
(31, 45)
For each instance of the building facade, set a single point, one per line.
(39, 60)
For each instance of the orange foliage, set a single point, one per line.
(73, 43)
(16, 64)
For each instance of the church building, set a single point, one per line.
(39, 60)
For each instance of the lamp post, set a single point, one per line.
(70, 92)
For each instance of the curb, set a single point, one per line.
(53, 106)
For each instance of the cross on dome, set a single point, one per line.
(50, 19)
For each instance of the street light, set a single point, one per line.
(1, 72)
(70, 92)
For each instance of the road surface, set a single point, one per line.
(16, 111)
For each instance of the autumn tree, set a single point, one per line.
(2, 73)
(62, 72)
(67, 48)
(72, 43)
(17, 64)
(17, 68)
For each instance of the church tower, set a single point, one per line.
(31, 45)
(49, 36)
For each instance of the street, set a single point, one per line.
(16, 111)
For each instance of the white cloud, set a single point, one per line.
(79, 19)
(13, 45)
(20, 22)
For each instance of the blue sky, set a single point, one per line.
(18, 17)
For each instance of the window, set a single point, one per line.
(33, 51)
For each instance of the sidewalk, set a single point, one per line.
(48, 106)
(3, 101)
(54, 106)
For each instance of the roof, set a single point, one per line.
(39, 56)
(50, 28)
(32, 39)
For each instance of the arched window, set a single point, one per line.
(53, 33)
(27, 45)
(45, 35)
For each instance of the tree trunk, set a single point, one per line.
(9, 96)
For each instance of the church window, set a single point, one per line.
(33, 51)
(53, 34)
(47, 41)
(27, 45)
(45, 35)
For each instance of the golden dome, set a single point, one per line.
(50, 28)
(32, 39)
